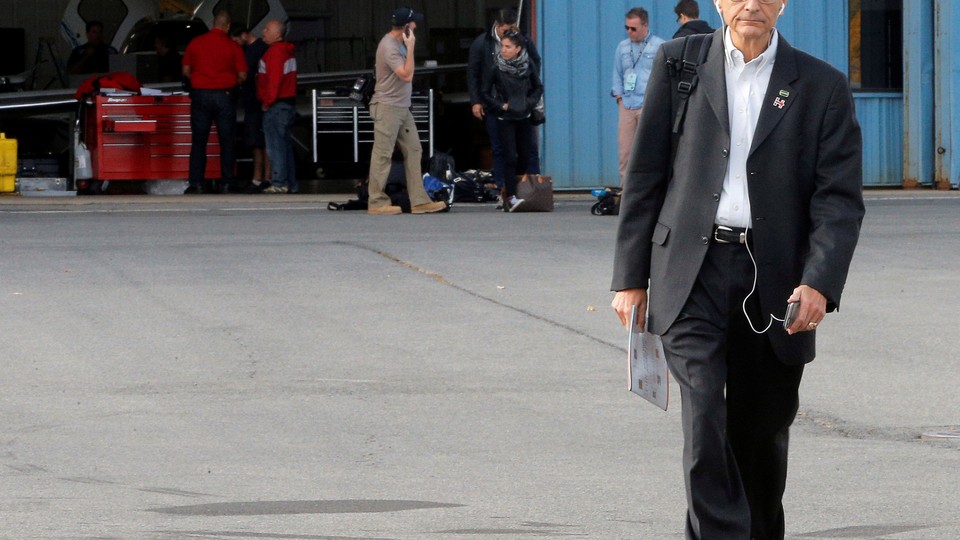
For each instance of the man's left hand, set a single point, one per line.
(813, 308)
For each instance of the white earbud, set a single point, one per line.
(783, 6)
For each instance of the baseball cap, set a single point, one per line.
(405, 15)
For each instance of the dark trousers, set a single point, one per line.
(531, 166)
(738, 402)
(518, 142)
(206, 108)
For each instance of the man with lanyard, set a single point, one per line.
(631, 69)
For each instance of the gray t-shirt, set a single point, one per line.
(390, 89)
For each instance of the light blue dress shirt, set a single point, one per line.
(634, 58)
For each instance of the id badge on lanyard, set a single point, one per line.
(630, 81)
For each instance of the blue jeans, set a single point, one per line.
(206, 108)
(278, 134)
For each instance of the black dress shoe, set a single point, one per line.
(226, 188)
(193, 189)
(252, 188)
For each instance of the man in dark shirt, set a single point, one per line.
(253, 49)
(94, 55)
(688, 15)
(168, 60)
(214, 65)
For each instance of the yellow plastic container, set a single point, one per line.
(8, 164)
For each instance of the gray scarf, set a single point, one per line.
(518, 66)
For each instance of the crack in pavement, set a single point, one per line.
(445, 281)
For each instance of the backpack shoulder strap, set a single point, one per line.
(683, 72)
(693, 53)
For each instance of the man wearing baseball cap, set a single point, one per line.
(393, 123)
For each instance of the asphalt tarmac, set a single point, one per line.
(258, 367)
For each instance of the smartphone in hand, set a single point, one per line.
(793, 309)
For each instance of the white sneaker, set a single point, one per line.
(514, 203)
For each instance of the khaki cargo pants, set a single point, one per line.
(392, 126)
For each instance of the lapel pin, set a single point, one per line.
(779, 103)
(784, 93)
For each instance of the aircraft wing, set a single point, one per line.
(45, 100)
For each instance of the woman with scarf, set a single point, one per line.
(511, 89)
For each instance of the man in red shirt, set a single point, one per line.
(214, 65)
(277, 91)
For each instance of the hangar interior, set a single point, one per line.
(331, 36)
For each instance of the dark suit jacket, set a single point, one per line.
(804, 183)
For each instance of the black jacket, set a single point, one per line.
(697, 26)
(483, 52)
(522, 93)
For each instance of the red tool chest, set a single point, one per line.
(143, 138)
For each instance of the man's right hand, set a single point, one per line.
(477, 110)
(623, 304)
(409, 39)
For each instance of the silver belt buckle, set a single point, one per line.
(719, 240)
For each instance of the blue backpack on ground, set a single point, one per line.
(437, 189)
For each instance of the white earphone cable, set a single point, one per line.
(753, 289)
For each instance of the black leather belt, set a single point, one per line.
(729, 235)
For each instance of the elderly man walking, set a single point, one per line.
(757, 209)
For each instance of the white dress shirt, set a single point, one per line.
(746, 87)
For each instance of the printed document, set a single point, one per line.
(647, 365)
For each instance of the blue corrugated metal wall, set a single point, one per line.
(918, 80)
(947, 84)
(577, 39)
(881, 120)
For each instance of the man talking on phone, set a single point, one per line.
(757, 205)
(393, 123)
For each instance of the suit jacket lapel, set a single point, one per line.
(714, 81)
(780, 95)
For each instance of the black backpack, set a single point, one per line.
(360, 203)
(467, 188)
(442, 163)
